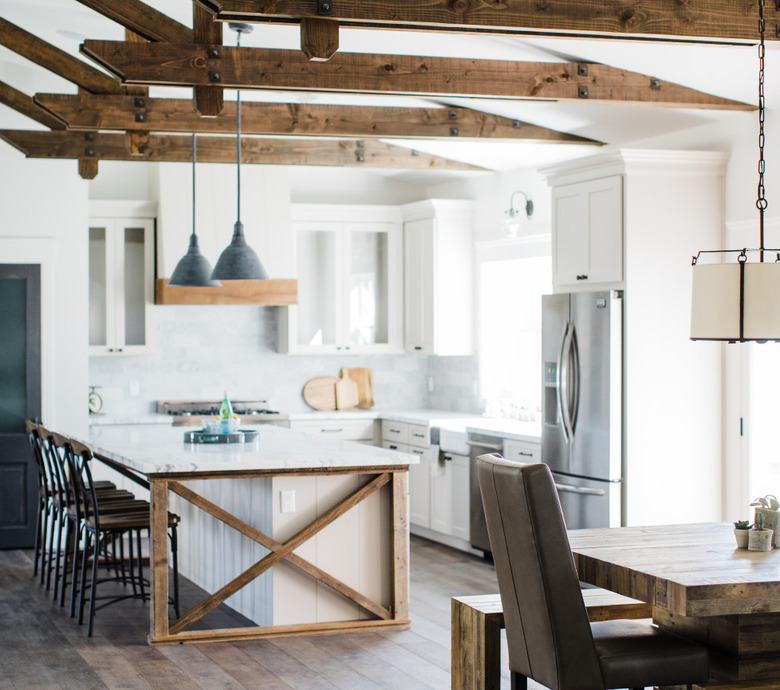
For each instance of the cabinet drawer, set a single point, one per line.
(347, 429)
(419, 435)
(394, 445)
(395, 431)
(522, 451)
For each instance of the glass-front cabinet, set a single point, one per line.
(121, 256)
(349, 272)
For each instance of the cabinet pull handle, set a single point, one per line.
(484, 444)
(448, 458)
(394, 431)
(524, 454)
(418, 347)
(419, 435)
(582, 276)
(324, 431)
(392, 446)
(418, 452)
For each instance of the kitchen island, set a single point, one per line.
(299, 536)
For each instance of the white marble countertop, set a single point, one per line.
(101, 419)
(162, 450)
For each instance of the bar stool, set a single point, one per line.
(103, 527)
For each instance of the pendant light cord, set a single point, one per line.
(238, 142)
(194, 149)
(761, 202)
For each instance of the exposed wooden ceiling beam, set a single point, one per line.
(319, 38)
(173, 148)
(703, 20)
(209, 99)
(143, 20)
(25, 105)
(55, 60)
(92, 112)
(261, 68)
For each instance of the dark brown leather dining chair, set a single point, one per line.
(549, 637)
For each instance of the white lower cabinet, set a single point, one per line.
(438, 484)
(450, 495)
(522, 451)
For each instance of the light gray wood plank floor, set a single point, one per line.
(41, 647)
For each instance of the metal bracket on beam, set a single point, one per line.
(139, 102)
(453, 131)
(582, 70)
(655, 84)
(324, 7)
(516, 124)
(140, 117)
(215, 76)
(582, 92)
(453, 114)
(89, 152)
(214, 52)
(415, 152)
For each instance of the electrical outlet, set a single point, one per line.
(287, 501)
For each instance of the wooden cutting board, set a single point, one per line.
(320, 392)
(365, 382)
(346, 393)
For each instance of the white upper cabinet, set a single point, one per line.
(121, 266)
(438, 277)
(349, 280)
(588, 234)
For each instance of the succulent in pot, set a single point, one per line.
(768, 507)
(742, 533)
(760, 537)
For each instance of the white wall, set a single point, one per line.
(44, 220)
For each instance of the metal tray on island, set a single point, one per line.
(238, 436)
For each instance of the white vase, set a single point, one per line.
(771, 521)
(741, 535)
(760, 540)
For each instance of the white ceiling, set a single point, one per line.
(727, 71)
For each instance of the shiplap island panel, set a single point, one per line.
(333, 557)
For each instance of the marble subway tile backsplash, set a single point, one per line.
(198, 352)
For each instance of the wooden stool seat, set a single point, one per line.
(477, 621)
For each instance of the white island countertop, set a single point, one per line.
(162, 450)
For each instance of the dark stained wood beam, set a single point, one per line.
(319, 38)
(704, 20)
(55, 60)
(209, 99)
(172, 148)
(91, 112)
(25, 105)
(143, 20)
(261, 68)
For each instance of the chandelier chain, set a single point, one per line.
(761, 202)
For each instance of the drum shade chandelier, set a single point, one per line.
(193, 269)
(739, 301)
(238, 260)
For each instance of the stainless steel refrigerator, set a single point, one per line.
(582, 404)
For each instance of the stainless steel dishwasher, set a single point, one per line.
(479, 444)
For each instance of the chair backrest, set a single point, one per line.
(547, 627)
(34, 437)
(79, 457)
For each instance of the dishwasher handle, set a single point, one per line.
(570, 489)
(487, 446)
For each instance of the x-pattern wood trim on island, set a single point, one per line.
(369, 590)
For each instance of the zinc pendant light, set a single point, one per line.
(238, 260)
(739, 301)
(193, 269)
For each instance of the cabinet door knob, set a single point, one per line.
(582, 277)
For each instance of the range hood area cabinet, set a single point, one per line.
(350, 287)
(121, 270)
(438, 277)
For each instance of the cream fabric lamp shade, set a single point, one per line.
(716, 302)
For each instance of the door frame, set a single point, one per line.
(40, 251)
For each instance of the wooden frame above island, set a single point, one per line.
(238, 486)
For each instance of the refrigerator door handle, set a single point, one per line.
(563, 383)
(570, 489)
(574, 353)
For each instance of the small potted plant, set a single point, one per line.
(742, 532)
(760, 538)
(768, 507)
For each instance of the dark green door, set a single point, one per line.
(20, 399)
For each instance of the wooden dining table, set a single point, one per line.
(700, 585)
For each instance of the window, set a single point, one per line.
(512, 277)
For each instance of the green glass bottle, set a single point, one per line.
(225, 414)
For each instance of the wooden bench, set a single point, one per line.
(477, 621)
